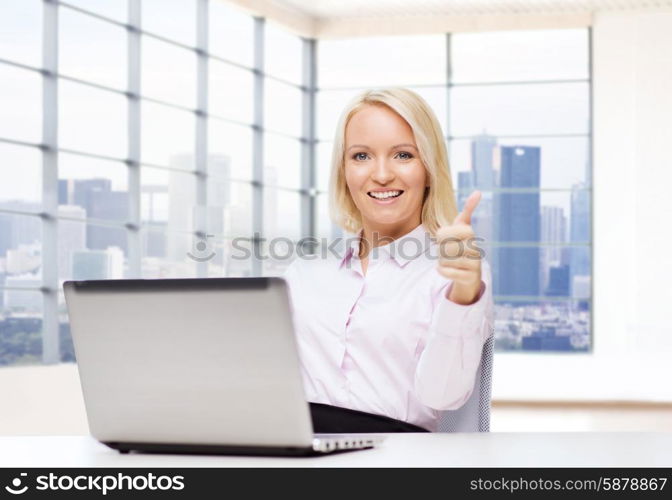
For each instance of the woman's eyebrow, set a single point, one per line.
(407, 145)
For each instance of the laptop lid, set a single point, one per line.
(192, 361)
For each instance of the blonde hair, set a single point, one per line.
(439, 207)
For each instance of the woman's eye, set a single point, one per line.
(408, 155)
(356, 156)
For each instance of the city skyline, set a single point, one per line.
(504, 217)
(515, 224)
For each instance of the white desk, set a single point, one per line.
(632, 449)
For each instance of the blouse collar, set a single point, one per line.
(402, 250)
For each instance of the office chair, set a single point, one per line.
(474, 415)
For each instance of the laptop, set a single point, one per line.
(203, 365)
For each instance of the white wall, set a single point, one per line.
(632, 209)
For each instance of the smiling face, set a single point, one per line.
(383, 171)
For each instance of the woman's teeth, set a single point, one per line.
(382, 195)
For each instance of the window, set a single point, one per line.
(130, 137)
(153, 159)
(518, 130)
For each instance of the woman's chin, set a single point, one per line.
(391, 220)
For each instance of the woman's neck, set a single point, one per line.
(377, 235)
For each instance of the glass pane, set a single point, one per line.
(549, 216)
(168, 136)
(237, 261)
(543, 326)
(21, 104)
(89, 251)
(227, 221)
(551, 271)
(168, 72)
(174, 19)
(282, 108)
(20, 327)
(21, 32)
(214, 250)
(282, 214)
(164, 254)
(519, 55)
(103, 62)
(234, 143)
(114, 9)
(564, 161)
(282, 53)
(99, 187)
(323, 154)
(330, 104)
(20, 176)
(282, 161)
(234, 201)
(231, 92)
(91, 120)
(382, 61)
(168, 199)
(561, 108)
(20, 248)
(437, 98)
(231, 33)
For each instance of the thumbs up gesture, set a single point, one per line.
(459, 257)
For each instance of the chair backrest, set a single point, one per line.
(474, 415)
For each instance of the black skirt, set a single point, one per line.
(328, 419)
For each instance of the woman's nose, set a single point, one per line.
(382, 172)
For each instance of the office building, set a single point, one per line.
(72, 237)
(23, 301)
(553, 230)
(580, 230)
(98, 264)
(519, 221)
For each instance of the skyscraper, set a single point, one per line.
(181, 203)
(100, 202)
(71, 238)
(558, 281)
(482, 155)
(17, 229)
(553, 229)
(519, 221)
(580, 232)
(465, 184)
(484, 151)
(98, 264)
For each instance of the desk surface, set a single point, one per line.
(575, 449)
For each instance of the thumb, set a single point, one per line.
(464, 217)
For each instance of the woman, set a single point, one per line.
(390, 330)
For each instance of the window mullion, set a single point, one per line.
(50, 334)
(201, 153)
(134, 140)
(308, 197)
(258, 144)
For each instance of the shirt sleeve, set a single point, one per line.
(446, 371)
